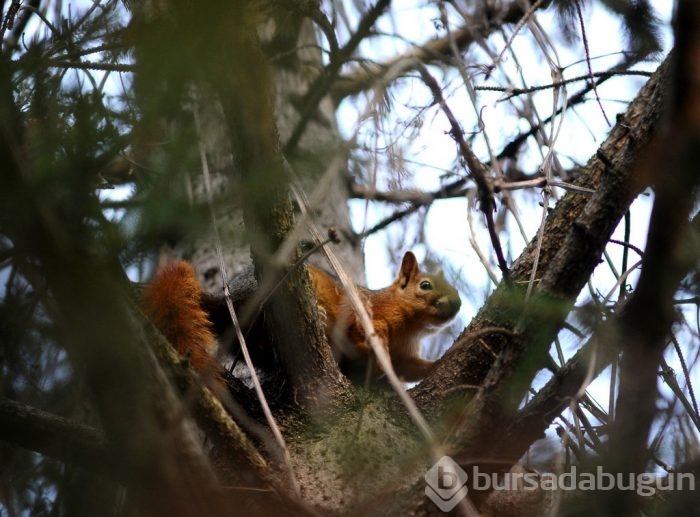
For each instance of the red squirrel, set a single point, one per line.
(414, 305)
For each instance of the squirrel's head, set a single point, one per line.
(430, 296)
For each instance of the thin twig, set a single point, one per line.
(325, 80)
(686, 374)
(521, 23)
(512, 92)
(8, 21)
(477, 170)
(90, 65)
(232, 312)
(579, 12)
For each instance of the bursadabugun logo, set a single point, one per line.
(446, 483)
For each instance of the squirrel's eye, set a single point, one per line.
(426, 285)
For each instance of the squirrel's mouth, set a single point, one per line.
(447, 308)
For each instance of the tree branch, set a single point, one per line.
(58, 437)
(325, 80)
(557, 395)
(574, 237)
(291, 317)
(439, 49)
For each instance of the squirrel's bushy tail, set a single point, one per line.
(173, 302)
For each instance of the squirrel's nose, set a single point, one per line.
(448, 306)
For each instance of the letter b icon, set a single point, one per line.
(446, 483)
(447, 479)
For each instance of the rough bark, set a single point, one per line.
(269, 220)
(574, 237)
(509, 338)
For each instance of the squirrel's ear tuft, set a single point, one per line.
(409, 269)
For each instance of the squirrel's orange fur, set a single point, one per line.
(414, 305)
(173, 302)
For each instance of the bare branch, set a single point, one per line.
(512, 92)
(322, 85)
(477, 170)
(438, 49)
(58, 438)
(577, 226)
